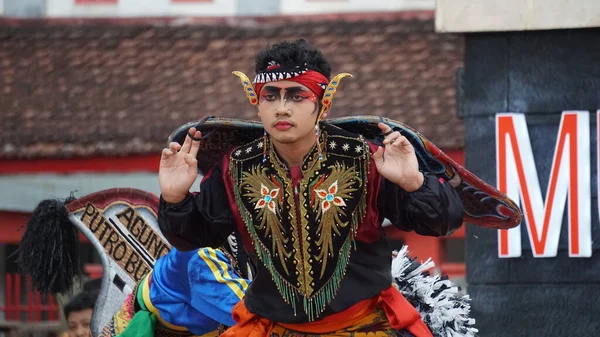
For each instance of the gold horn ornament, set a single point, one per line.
(329, 92)
(248, 87)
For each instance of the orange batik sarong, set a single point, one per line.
(382, 315)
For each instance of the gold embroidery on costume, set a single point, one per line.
(376, 324)
(302, 251)
(298, 231)
(331, 206)
(265, 194)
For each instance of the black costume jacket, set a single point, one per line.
(314, 233)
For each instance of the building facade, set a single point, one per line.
(202, 8)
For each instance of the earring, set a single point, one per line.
(318, 143)
(265, 146)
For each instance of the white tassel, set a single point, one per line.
(446, 313)
(233, 244)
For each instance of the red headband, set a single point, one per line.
(311, 79)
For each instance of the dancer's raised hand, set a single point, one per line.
(179, 167)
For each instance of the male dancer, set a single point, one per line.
(308, 199)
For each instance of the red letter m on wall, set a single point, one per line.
(569, 184)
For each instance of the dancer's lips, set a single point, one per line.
(283, 125)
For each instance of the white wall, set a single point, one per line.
(344, 6)
(517, 15)
(258, 7)
(27, 190)
(135, 8)
(138, 8)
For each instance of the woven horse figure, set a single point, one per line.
(122, 226)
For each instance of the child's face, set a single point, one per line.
(79, 323)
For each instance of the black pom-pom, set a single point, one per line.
(49, 248)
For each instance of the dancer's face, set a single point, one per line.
(288, 111)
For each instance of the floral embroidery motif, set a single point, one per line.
(329, 197)
(269, 198)
(342, 184)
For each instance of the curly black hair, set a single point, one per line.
(291, 54)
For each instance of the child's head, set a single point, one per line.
(78, 313)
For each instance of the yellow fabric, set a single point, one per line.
(220, 271)
(121, 319)
(375, 324)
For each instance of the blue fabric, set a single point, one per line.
(196, 289)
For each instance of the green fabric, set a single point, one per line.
(139, 295)
(141, 325)
(143, 322)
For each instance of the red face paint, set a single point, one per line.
(304, 95)
(292, 94)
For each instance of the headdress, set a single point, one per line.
(315, 81)
(312, 79)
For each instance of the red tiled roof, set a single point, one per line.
(107, 89)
